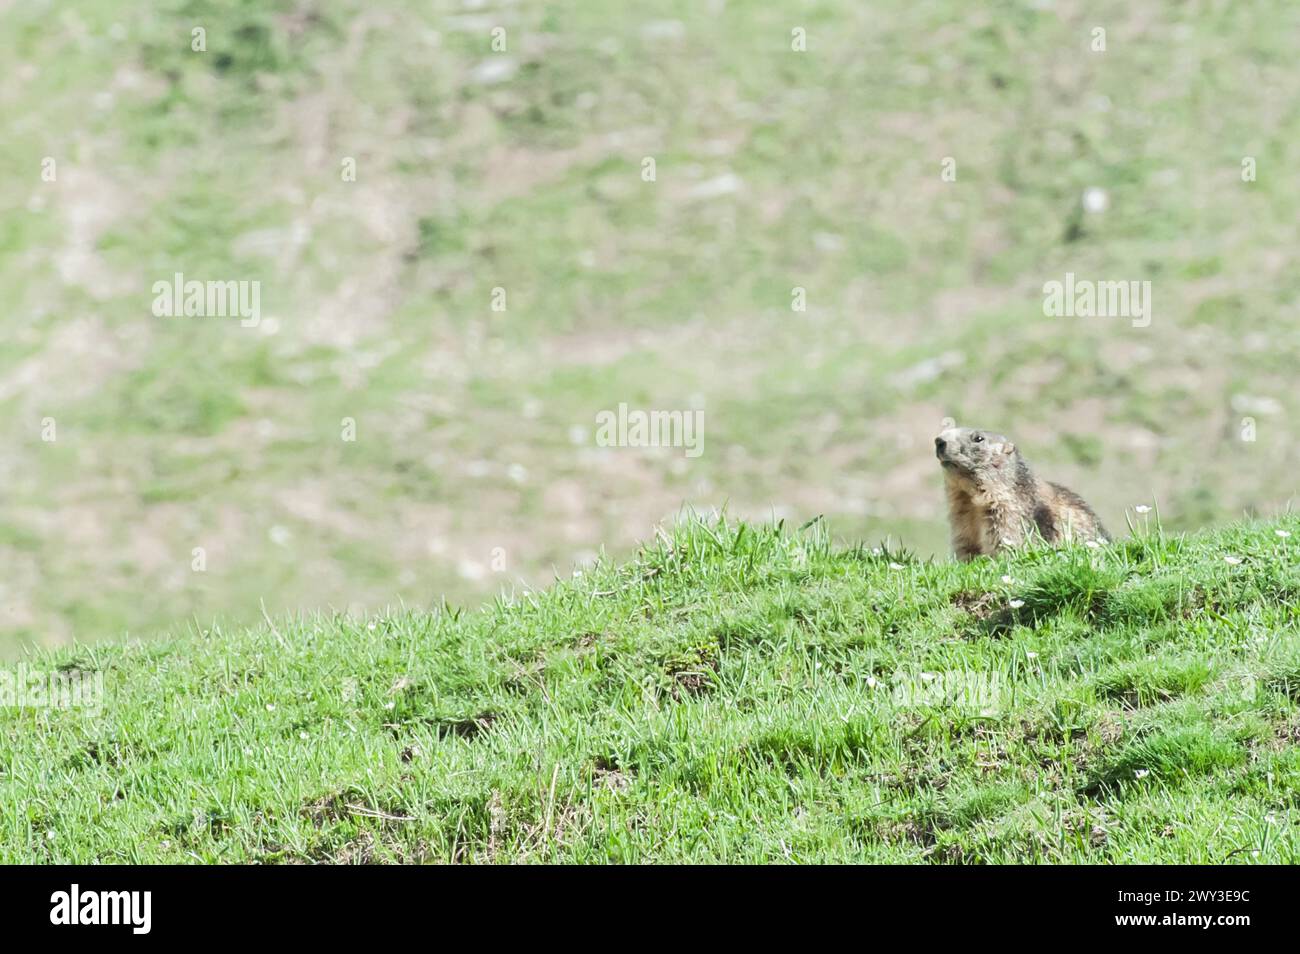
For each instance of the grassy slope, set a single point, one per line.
(475, 429)
(734, 693)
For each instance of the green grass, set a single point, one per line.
(734, 693)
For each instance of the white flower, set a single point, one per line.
(1232, 560)
(1283, 533)
(1094, 544)
(270, 707)
(871, 682)
(1006, 578)
(1095, 200)
(1141, 773)
(1031, 655)
(1016, 604)
(1142, 508)
(895, 566)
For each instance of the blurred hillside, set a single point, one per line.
(475, 463)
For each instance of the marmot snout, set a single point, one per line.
(996, 501)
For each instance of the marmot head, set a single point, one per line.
(978, 456)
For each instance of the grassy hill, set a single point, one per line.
(521, 169)
(733, 693)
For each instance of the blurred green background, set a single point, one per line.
(475, 464)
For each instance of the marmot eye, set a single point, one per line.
(977, 438)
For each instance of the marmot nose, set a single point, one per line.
(940, 444)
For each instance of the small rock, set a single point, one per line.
(1249, 404)
(495, 69)
(927, 370)
(1095, 200)
(727, 184)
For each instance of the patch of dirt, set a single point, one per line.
(1286, 734)
(366, 848)
(607, 772)
(510, 170)
(693, 677)
(921, 832)
(469, 728)
(77, 361)
(587, 640)
(359, 851)
(91, 203)
(980, 606)
(347, 804)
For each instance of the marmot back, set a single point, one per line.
(996, 501)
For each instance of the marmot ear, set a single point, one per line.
(1008, 448)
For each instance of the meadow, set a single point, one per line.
(165, 474)
(733, 693)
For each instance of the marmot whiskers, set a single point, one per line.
(995, 501)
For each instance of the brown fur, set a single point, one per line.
(997, 502)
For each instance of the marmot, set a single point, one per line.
(995, 501)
